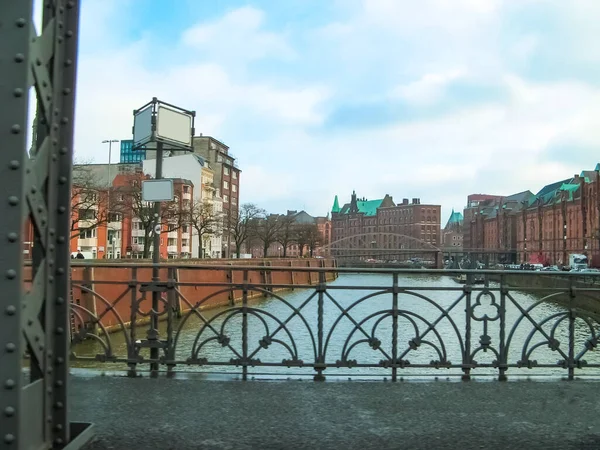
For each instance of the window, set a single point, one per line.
(185, 242)
(234, 174)
(225, 198)
(87, 214)
(88, 234)
(184, 228)
(233, 201)
(234, 187)
(186, 189)
(172, 241)
(114, 217)
(225, 185)
(136, 225)
(226, 170)
(139, 240)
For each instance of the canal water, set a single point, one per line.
(359, 328)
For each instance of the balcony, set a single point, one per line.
(172, 234)
(186, 196)
(90, 242)
(172, 249)
(185, 249)
(185, 235)
(137, 233)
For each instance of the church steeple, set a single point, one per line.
(336, 205)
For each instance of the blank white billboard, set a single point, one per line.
(157, 190)
(174, 126)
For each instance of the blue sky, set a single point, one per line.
(434, 99)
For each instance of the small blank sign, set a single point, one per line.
(157, 190)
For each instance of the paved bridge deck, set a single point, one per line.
(205, 414)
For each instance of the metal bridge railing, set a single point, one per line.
(377, 323)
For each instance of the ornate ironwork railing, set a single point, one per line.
(330, 321)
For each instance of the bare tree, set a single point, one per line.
(266, 230)
(239, 224)
(131, 200)
(307, 234)
(89, 201)
(205, 220)
(286, 234)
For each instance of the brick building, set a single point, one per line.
(562, 218)
(362, 225)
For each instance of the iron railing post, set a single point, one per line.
(394, 327)
(132, 351)
(466, 359)
(320, 366)
(503, 357)
(245, 327)
(571, 361)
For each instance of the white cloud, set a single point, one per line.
(428, 89)
(237, 37)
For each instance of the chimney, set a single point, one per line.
(405, 201)
(414, 201)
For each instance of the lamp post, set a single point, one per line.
(109, 184)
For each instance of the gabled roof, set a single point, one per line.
(552, 187)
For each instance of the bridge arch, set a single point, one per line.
(350, 240)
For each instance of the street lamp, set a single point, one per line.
(109, 182)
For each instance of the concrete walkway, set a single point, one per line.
(165, 414)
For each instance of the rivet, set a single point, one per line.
(40, 208)
(60, 330)
(60, 271)
(44, 83)
(9, 411)
(66, 91)
(36, 338)
(63, 151)
(18, 92)
(41, 348)
(58, 405)
(38, 62)
(64, 120)
(13, 200)
(58, 383)
(50, 279)
(69, 33)
(43, 222)
(60, 24)
(48, 97)
(9, 438)
(50, 262)
(33, 189)
(20, 22)
(10, 310)
(62, 180)
(54, 140)
(55, 126)
(19, 57)
(70, 4)
(60, 301)
(68, 63)
(51, 247)
(58, 427)
(58, 441)
(11, 274)
(9, 384)
(49, 390)
(49, 371)
(15, 129)
(51, 231)
(60, 39)
(60, 239)
(30, 322)
(12, 237)
(14, 164)
(62, 209)
(10, 347)
(60, 360)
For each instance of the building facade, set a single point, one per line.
(452, 234)
(545, 228)
(407, 229)
(128, 155)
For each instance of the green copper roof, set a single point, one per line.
(368, 208)
(336, 205)
(455, 218)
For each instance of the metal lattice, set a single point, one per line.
(36, 187)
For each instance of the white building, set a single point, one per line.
(194, 168)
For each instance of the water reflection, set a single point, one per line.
(432, 328)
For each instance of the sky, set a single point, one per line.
(435, 99)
